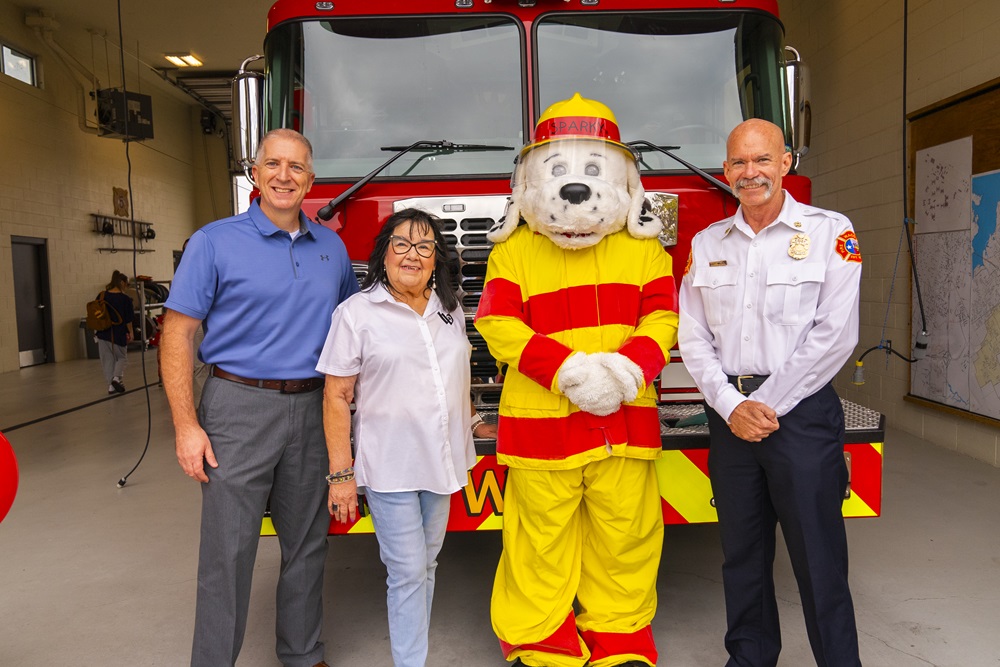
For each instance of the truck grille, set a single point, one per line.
(465, 221)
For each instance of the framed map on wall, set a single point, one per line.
(954, 162)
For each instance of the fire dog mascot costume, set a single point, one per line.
(580, 306)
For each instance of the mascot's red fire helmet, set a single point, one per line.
(577, 118)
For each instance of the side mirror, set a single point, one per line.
(247, 89)
(800, 109)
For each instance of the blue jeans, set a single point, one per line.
(410, 528)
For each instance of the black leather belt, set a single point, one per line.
(284, 386)
(747, 384)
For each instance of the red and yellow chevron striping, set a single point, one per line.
(685, 490)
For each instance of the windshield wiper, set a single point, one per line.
(642, 145)
(443, 146)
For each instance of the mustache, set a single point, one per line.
(752, 182)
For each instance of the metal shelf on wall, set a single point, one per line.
(111, 226)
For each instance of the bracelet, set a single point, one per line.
(338, 480)
(333, 479)
(476, 421)
(341, 476)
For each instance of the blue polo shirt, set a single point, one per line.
(265, 299)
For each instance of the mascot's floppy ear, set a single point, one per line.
(642, 222)
(506, 225)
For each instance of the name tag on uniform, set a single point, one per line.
(719, 262)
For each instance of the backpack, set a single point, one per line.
(99, 314)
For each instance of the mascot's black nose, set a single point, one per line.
(575, 193)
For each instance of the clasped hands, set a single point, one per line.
(600, 382)
(753, 421)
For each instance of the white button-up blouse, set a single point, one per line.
(412, 425)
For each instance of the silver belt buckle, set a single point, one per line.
(739, 383)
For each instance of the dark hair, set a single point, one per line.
(445, 260)
(117, 278)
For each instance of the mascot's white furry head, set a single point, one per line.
(577, 183)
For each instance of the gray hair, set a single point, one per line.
(285, 133)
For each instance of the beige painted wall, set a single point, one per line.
(55, 175)
(855, 52)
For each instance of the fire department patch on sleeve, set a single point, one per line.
(687, 267)
(848, 247)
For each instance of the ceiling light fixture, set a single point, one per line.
(183, 59)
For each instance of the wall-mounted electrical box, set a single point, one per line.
(123, 115)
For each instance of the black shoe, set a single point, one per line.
(632, 663)
(117, 384)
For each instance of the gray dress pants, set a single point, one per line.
(267, 444)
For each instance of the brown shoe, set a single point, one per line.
(321, 663)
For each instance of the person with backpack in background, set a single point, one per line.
(111, 342)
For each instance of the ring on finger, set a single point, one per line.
(335, 508)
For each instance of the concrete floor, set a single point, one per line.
(91, 574)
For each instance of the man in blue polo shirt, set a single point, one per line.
(265, 284)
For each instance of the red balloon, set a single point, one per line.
(8, 476)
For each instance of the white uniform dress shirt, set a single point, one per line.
(412, 426)
(748, 307)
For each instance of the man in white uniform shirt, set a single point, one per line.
(768, 315)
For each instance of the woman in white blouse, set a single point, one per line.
(398, 350)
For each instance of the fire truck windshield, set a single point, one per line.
(672, 78)
(354, 86)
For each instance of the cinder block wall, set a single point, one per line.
(55, 175)
(855, 52)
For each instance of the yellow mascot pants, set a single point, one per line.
(593, 534)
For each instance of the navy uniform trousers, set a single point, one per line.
(796, 477)
(267, 444)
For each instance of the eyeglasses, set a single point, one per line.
(401, 246)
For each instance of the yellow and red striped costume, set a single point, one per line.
(541, 304)
(582, 517)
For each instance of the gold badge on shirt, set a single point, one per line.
(798, 246)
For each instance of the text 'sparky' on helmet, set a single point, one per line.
(577, 118)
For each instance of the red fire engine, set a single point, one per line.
(425, 103)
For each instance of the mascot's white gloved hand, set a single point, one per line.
(589, 385)
(598, 383)
(626, 372)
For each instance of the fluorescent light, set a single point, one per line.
(183, 60)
